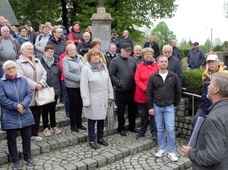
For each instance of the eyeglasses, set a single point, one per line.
(9, 69)
(29, 49)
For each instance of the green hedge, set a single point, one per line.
(193, 81)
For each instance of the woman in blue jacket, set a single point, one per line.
(15, 112)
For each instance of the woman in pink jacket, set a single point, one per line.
(31, 68)
(143, 72)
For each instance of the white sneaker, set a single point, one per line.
(56, 130)
(173, 157)
(160, 153)
(46, 132)
(37, 138)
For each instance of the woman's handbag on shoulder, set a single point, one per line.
(45, 95)
(111, 117)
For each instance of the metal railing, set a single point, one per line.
(193, 99)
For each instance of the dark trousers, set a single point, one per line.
(75, 106)
(124, 99)
(144, 121)
(12, 142)
(36, 111)
(65, 98)
(49, 109)
(91, 129)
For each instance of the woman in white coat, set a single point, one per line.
(96, 92)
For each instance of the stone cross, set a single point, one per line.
(101, 3)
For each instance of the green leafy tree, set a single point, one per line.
(225, 46)
(129, 14)
(163, 34)
(184, 45)
(206, 46)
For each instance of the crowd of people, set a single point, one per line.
(88, 78)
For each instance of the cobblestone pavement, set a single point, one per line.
(122, 153)
(70, 151)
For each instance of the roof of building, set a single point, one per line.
(7, 11)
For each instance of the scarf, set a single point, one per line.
(148, 62)
(48, 61)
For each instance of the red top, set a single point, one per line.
(61, 66)
(71, 37)
(142, 75)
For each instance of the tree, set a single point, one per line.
(128, 14)
(163, 34)
(206, 46)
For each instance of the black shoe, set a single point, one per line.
(134, 130)
(93, 145)
(29, 161)
(139, 136)
(123, 133)
(74, 129)
(82, 127)
(102, 142)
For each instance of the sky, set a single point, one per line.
(195, 20)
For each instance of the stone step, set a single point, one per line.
(122, 153)
(146, 160)
(56, 141)
(61, 120)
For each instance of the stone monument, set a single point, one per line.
(101, 24)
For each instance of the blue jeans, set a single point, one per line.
(165, 115)
(144, 121)
(65, 98)
(91, 129)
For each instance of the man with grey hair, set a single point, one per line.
(174, 63)
(211, 151)
(84, 46)
(137, 54)
(9, 47)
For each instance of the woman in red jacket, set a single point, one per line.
(75, 34)
(143, 72)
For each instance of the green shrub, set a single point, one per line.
(193, 81)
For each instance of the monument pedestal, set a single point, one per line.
(101, 24)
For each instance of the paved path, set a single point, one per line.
(70, 151)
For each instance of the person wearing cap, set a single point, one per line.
(213, 66)
(122, 69)
(15, 97)
(31, 32)
(115, 39)
(195, 57)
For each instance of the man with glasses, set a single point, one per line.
(57, 41)
(9, 47)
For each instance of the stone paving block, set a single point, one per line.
(45, 147)
(91, 163)
(80, 165)
(53, 143)
(125, 151)
(3, 157)
(101, 160)
(110, 156)
(173, 165)
(63, 142)
(133, 149)
(118, 154)
(35, 149)
(70, 167)
(72, 139)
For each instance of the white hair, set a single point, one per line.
(26, 44)
(4, 28)
(7, 63)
